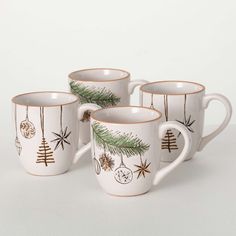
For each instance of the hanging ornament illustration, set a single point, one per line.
(61, 138)
(45, 153)
(187, 122)
(100, 96)
(17, 141)
(107, 163)
(27, 128)
(169, 141)
(97, 166)
(121, 144)
(86, 116)
(123, 175)
(96, 163)
(152, 106)
(142, 168)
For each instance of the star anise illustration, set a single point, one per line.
(142, 168)
(61, 138)
(187, 123)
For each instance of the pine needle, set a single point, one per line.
(101, 96)
(118, 143)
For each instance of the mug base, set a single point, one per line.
(126, 195)
(46, 175)
(169, 161)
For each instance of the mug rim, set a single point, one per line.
(98, 68)
(43, 92)
(142, 87)
(119, 123)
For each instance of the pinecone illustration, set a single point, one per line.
(107, 163)
(86, 116)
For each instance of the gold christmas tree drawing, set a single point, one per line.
(45, 153)
(169, 141)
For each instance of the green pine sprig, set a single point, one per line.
(118, 143)
(102, 97)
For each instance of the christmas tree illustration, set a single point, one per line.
(121, 144)
(100, 96)
(45, 153)
(169, 141)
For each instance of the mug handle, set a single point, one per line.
(134, 83)
(187, 147)
(228, 108)
(81, 110)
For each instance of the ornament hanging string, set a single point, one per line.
(121, 160)
(16, 119)
(141, 160)
(185, 101)
(27, 113)
(166, 106)
(42, 120)
(61, 118)
(152, 101)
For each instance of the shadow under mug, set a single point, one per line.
(46, 130)
(184, 102)
(126, 149)
(105, 87)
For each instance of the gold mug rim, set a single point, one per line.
(127, 76)
(142, 87)
(120, 123)
(42, 92)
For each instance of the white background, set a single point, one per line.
(42, 41)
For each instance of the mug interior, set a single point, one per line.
(99, 74)
(173, 87)
(45, 99)
(126, 115)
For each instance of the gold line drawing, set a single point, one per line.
(17, 141)
(117, 144)
(107, 163)
(169, 141)
(152, 105)
(96, 163)
(187, 122)
(86, 116)
(123, 175)
(61, 138)
(142, 168)
(45, 153)
(27, 128)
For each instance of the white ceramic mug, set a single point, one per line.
(126, 149)
(184, 102)
(46, 125)
(103, 86)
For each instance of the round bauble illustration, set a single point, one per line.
(123, 175)
(27, 129)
